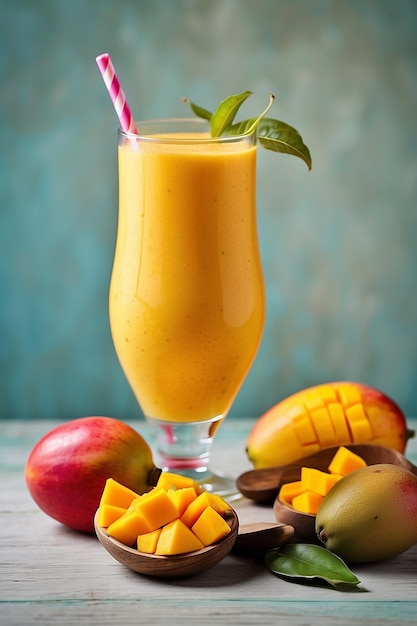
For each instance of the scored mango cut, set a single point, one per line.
(332, 414)
(358, 423)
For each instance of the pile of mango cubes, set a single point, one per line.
(174, 517)
(305, 495)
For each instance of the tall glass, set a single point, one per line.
(187, 301)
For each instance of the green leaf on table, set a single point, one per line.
(309, 561)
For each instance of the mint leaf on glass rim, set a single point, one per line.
(272, 134)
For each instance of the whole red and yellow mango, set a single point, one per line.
(67, 469)
(332, 414)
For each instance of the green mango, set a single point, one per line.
(370, 514)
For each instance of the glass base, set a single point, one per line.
(184, 448)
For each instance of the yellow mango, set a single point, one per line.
(107, 514)
(313, 479)
(182, 498)
(288, 491)
(345, 461)
(148, 541)
(157, 508)
(307, 502)
(210, 527)
(333, 414)
(127, 528)
(116, 494)
(202, 501)
(170, 480)
(218, 504)
(177, 538)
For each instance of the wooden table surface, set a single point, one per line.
(50, 574)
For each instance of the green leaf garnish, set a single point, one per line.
(309, 561)
(272, 134)
(225, 113)
(280, 137)
(199, 111)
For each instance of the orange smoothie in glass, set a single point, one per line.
(187, 299)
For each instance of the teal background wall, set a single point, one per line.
(338, 243)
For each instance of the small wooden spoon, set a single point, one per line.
(169, 566)
(262, 485)
(258, 538)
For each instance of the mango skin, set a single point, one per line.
(273, 439)
(67, 469)
(370, 515)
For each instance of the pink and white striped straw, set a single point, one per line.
(116, 93)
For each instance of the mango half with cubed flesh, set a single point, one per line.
(370, 514)
(332, 414)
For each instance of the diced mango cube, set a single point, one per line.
(307, 502)
(127, 528)
(288, 491)
(345, 461)
(169, 480)
(117, 494)
(218, 504)
(177, 538)
(202, 501)
(157, 508)
(210, 527)
(182, 498)
(315, 480)
(148, 541)
(107, 514)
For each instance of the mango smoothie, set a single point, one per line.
(187, 299)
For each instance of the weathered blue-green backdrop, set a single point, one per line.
(338, 244)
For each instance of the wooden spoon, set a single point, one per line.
(258, 538)
(169, 566)
(262, 485)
